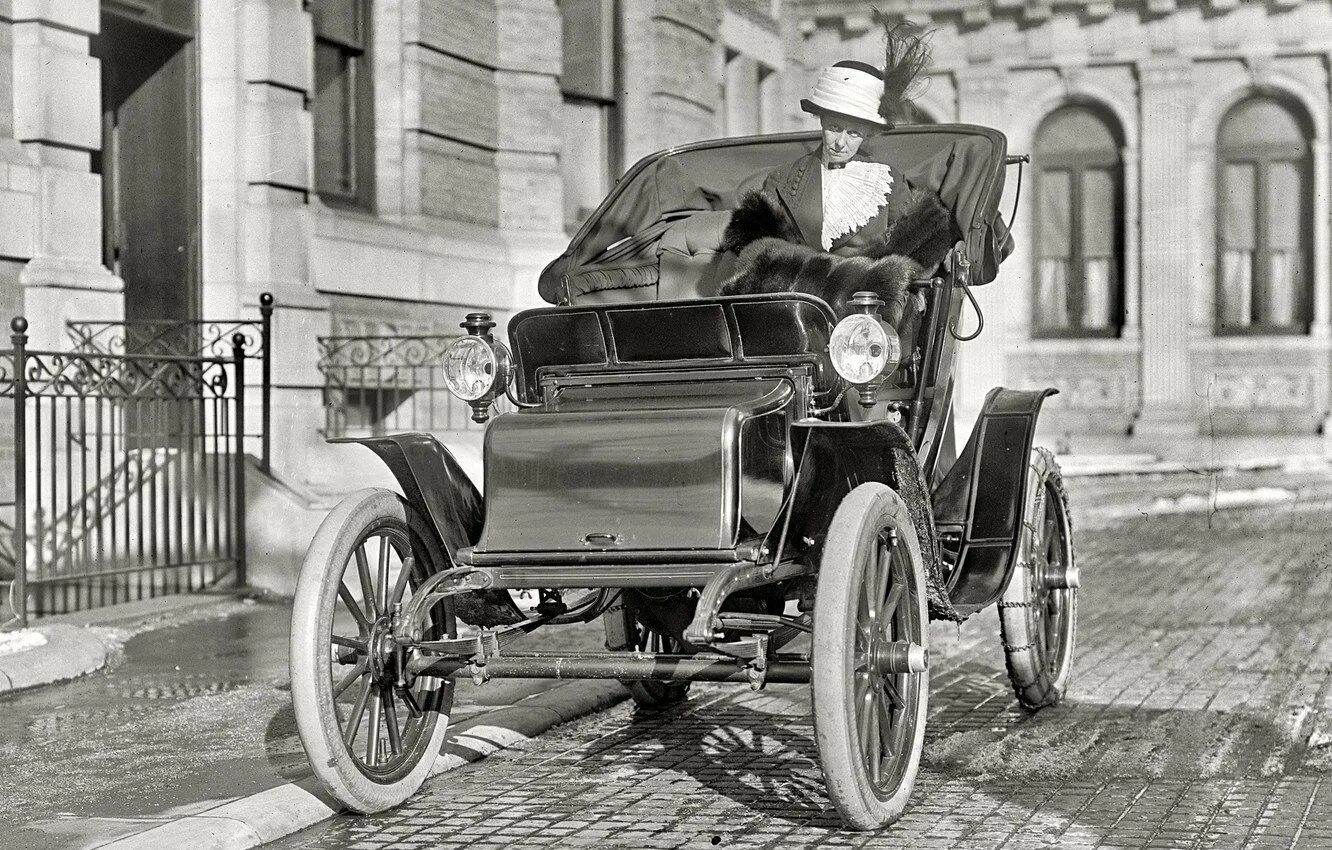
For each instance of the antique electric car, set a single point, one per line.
(744, 489)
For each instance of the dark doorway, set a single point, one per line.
(149, 160)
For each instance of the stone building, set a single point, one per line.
(379, 166)
(1172, 267)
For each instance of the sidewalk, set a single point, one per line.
(186, 737)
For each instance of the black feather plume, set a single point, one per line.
(907, 56)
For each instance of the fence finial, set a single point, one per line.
(18, 325)
(266, 299)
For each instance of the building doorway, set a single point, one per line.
(149, 160)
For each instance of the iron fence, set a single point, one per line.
(205, 338)
(128, 474)
(384, 384)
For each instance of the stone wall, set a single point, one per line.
(1166, 73)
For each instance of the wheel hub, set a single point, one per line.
(383, 649)
(900, 656)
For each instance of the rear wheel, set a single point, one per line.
(1038, 612)
(370, 742)
(654, 694)
(870, 682)
(626, 632)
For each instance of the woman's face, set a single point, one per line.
(842, 138)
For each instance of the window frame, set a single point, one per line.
(358, 121)
(1262, 157)
(1076, 166)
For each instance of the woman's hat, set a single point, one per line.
(861, 91)
(848, 89)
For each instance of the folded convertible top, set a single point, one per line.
(616, 247)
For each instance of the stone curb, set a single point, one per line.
(278, 812)
(69, 652)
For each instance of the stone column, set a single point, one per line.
(1167, 250)
(531, 207)
(982, 97)
(276, 223)
(58, 120)
(1322, 214)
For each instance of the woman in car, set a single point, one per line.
(836, 220)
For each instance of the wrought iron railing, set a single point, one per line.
(390, 383)
(127, 475)
(204, 338)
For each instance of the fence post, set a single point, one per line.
(238, 355)
(266, 375)
(19, 326)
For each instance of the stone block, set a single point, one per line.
(529, 191)
(686, 63)
(57, 93)
(277, 244)
(464, 28)
(458, 100)
(57, 290)
(528, 112)
(279, 41)
(81, 15)
(458, 181)
(18, 211)
(527, 30)
(23, 178)
(278, 138)
(70, 215)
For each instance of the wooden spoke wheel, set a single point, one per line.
(1038, 612)
(870, 678)
(371, 732)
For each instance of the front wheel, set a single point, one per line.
(371, 736)
(870, 679)
(1038, 613)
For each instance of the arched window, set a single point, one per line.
(1079, 234)
(1264, 227)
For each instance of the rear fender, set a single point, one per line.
(434, 483)
(978, 504)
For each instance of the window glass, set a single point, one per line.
(1079, 231)
(343, 103)
(1263, 227)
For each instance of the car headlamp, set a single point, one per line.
(863, 348)
(477, 367)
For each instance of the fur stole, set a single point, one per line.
(776, 265)
(774, 258)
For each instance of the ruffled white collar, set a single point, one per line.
(852, 196)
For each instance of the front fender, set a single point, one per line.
(435, 484)
(978, 504)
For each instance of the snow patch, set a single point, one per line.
(22, 640)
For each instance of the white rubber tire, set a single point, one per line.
(1039, 680)
(855, 527)
(311, 687)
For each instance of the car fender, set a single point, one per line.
(978, 504)
(434, 483)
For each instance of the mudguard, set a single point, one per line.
(836, 457)
(436, 485)
(978, 504)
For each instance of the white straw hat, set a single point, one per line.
(847, 90)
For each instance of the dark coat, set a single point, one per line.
(777, 235)
(799, 187)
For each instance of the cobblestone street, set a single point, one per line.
(1199, 716)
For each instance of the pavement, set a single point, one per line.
(162, 795)
(1200, 716)
(186, 736)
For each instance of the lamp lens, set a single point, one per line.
(862, 348)
(470, 368)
